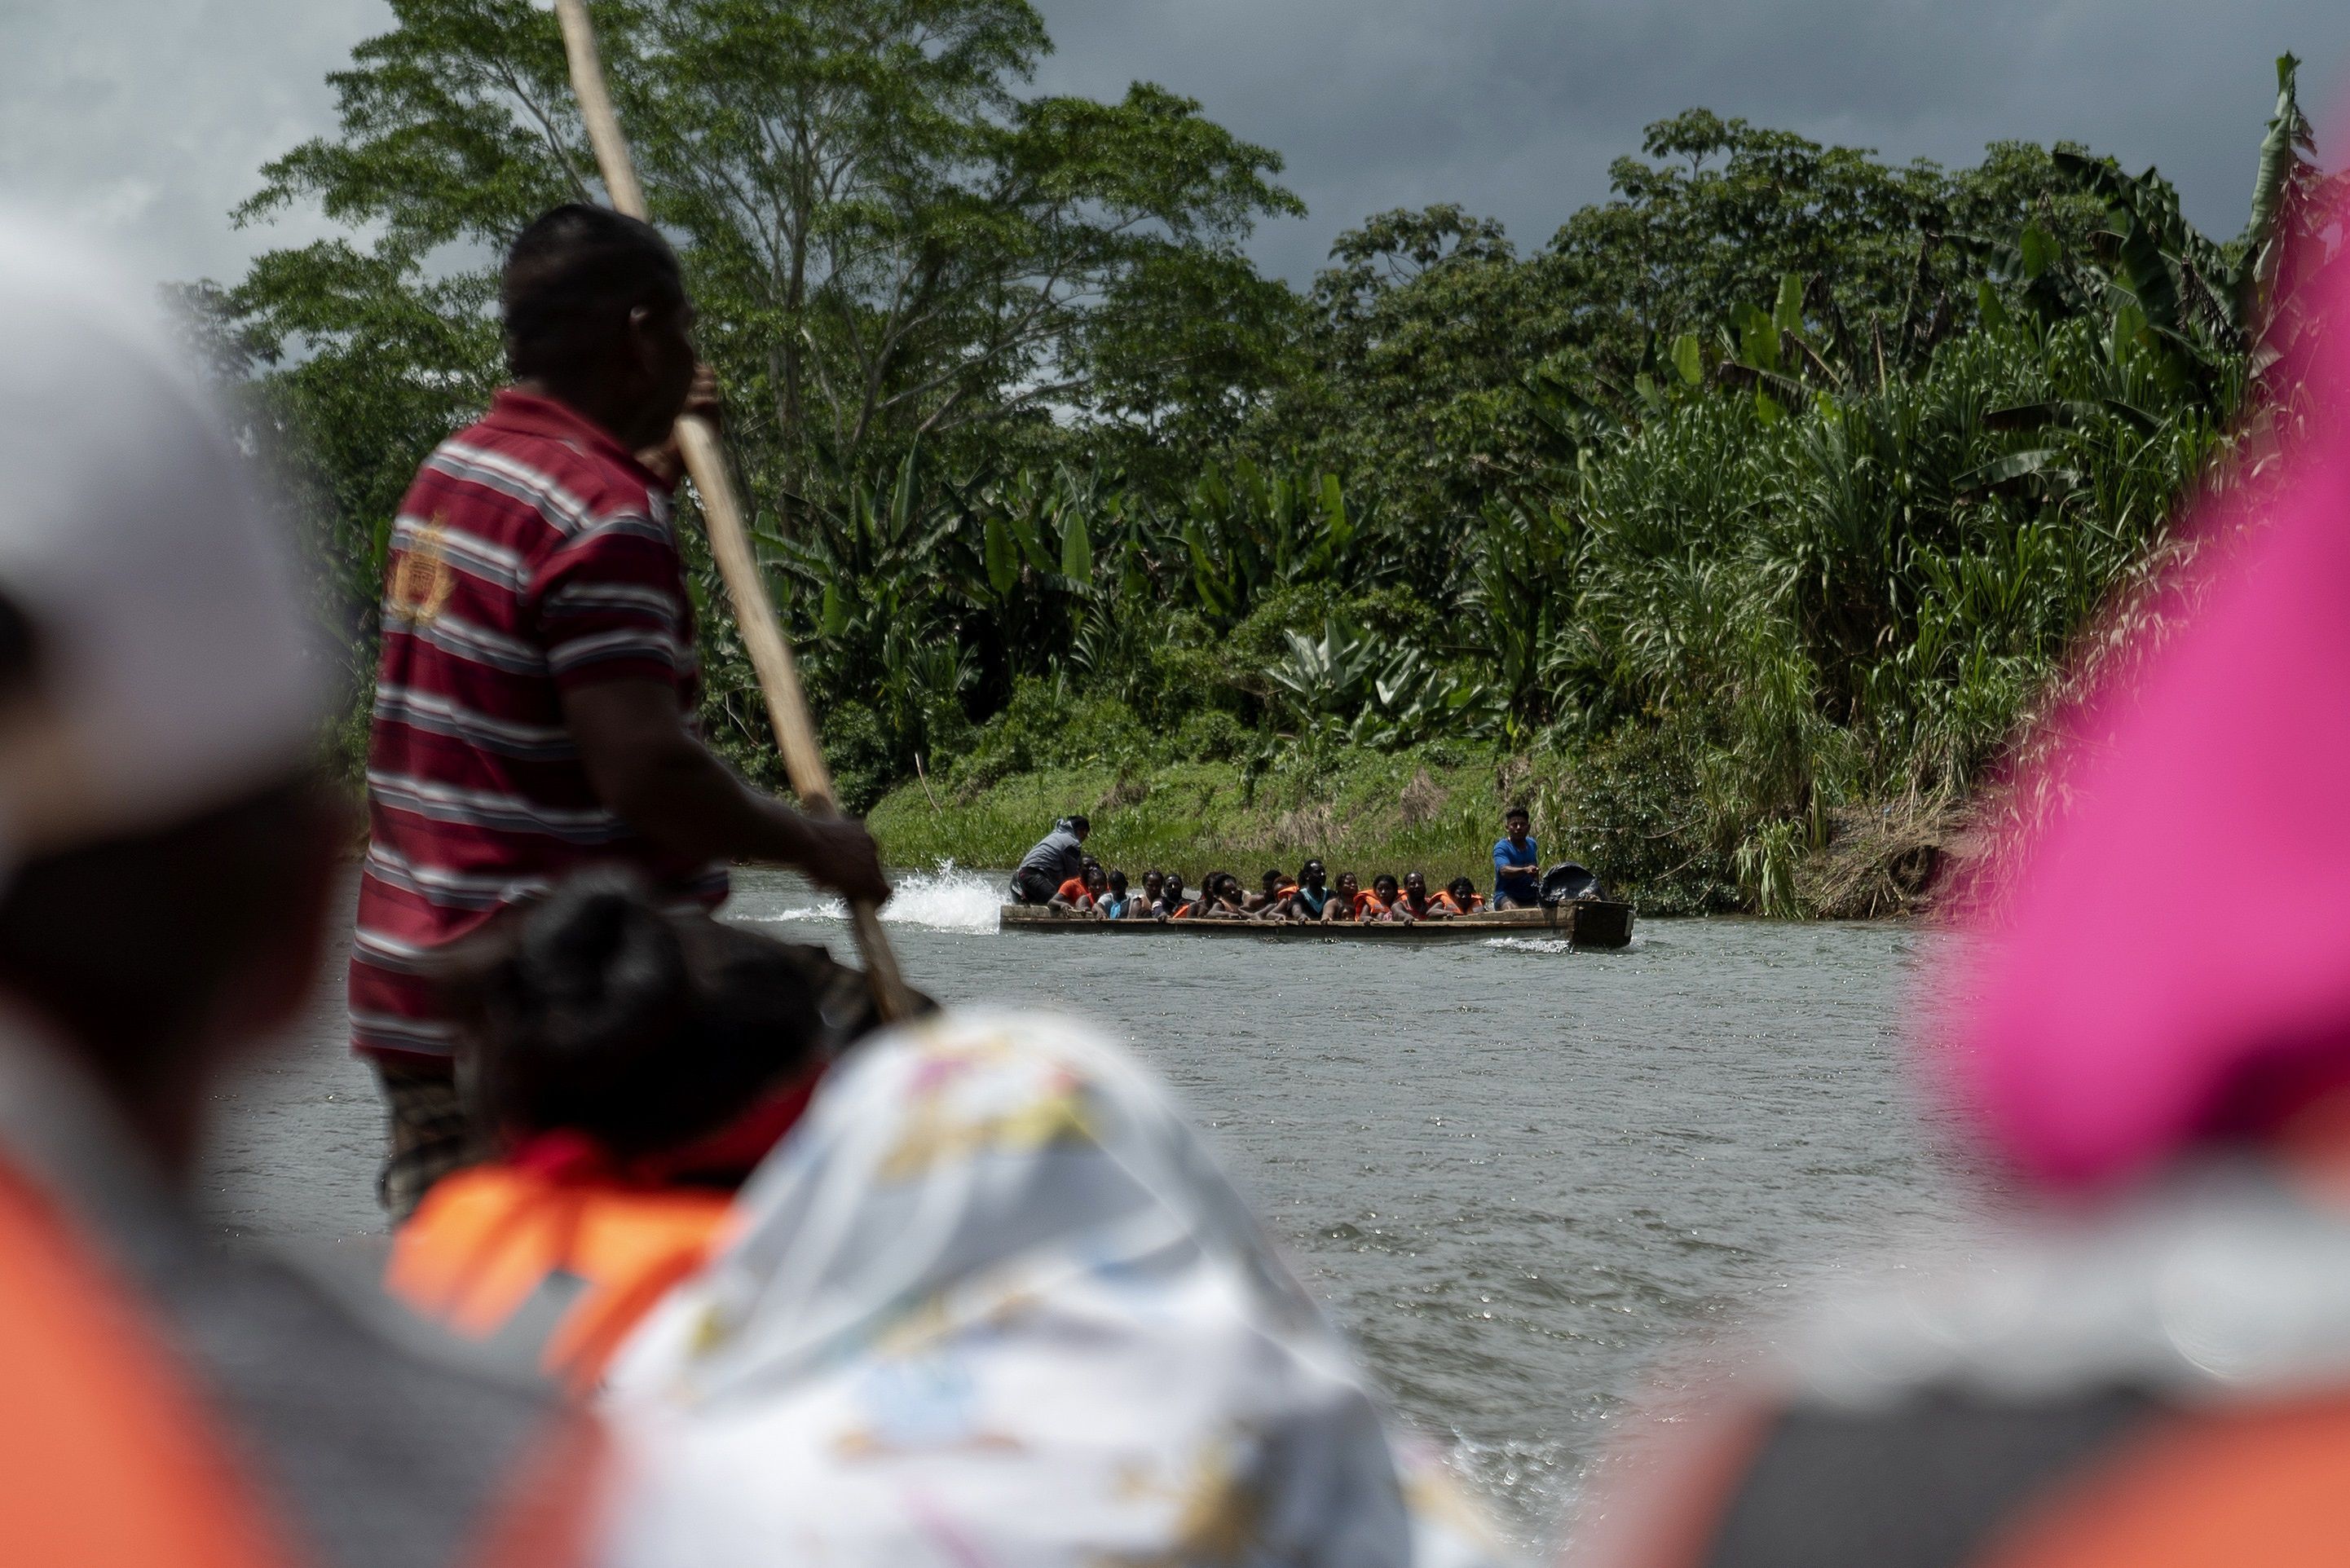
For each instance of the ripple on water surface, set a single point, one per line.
(1513, 1173)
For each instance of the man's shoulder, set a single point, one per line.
(568, 484)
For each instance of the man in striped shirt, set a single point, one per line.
(535, 707)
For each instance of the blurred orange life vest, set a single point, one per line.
(547, 1268)
(105, 1458)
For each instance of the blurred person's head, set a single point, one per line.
(1310, 875)
(2115, 1008)
(1078, 824)
(1463, 890)
(599, 1010)
(596, 316)
(1117, 883)
(1517, 824)
(166, 852)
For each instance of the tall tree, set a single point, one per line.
(889, 243)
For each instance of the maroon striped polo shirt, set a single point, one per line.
(533, 555)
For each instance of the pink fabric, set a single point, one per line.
(2172, 962)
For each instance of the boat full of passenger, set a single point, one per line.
(1580, 922)
(1061, 889)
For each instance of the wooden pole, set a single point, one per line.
(730, 540)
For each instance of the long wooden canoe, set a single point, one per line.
(1586, 923)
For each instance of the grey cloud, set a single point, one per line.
(149, 118)
(1516, 108)
(146, 120)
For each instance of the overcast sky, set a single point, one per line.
(146, 119)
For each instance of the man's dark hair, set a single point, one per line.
(571, 275)
(1517, 811)
(1077, 823)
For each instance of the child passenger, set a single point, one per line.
(1380, 902)
(1461, 897)
(1114, 903)
(1267, 903)
(637, 1063)
(1343, 901)
(1081, 892)
(1225, 897)
(1416, 904)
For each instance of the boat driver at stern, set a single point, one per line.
(1517, 863)
(1059, 855)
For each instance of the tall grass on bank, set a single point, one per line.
(1368, 812)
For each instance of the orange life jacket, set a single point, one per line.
(1443, 900)
(1367, 903)
(555, 1269)
(2257, 1485)
(1074, 890)
(107, 1458)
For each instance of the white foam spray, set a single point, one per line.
(950, 899)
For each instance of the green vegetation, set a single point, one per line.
(1370, 811)
(1737, 527)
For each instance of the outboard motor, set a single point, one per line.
(1566, 882)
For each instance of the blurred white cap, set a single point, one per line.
(173, 670)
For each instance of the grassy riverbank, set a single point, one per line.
(1432, 809)
(1371, 813)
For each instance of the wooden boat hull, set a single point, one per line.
(1586, 923)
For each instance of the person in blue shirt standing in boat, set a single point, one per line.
(1517, 863)
(1058, 857)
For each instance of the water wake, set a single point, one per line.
(1544, 944)
(949, 898)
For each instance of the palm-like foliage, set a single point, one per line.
(1775, 487)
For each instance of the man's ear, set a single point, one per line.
(642, 356)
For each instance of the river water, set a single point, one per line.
(1514, 1174)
